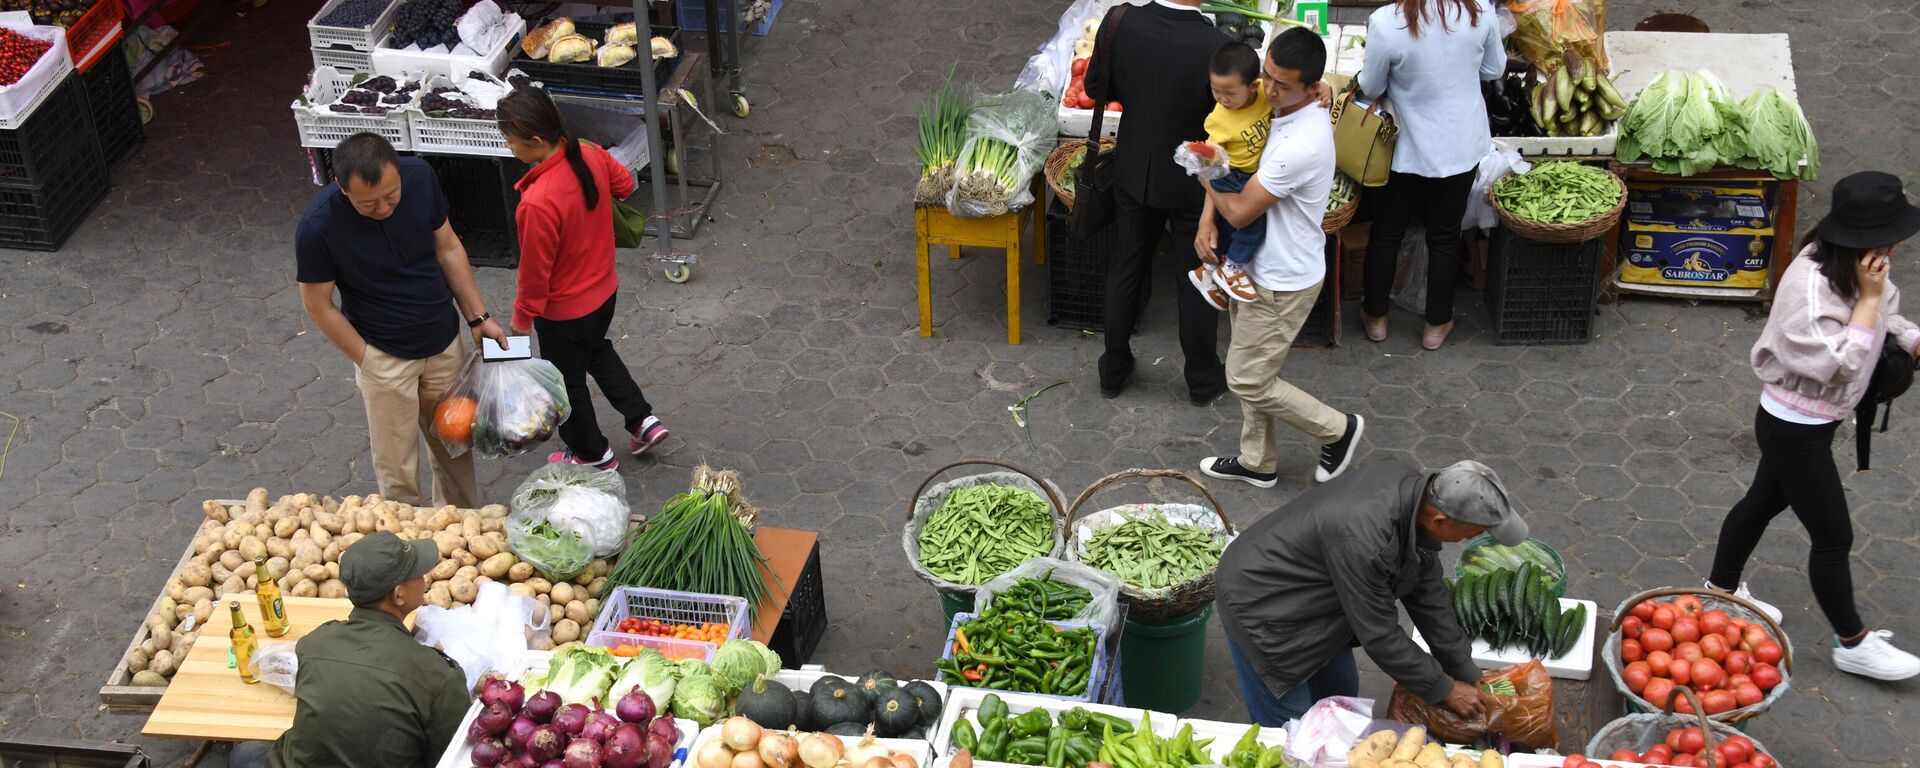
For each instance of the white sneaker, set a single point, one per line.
(1876, 658)
(1765, 607)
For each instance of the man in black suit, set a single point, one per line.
(1160, 54)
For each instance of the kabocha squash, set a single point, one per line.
(876, 683)
(926, 698)
(768, 703)
(840, 704)
(895, 712)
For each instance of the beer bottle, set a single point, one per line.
(273, 610)
(243, 643)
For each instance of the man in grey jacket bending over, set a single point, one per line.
(1304, 585)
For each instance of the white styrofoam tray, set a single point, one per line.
(399, 63)
(963, 702)
(918, 749)
(459, 754)
(19, 101)
(1530, 760)
(1225, 735)
(1577, 664)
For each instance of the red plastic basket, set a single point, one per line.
(95, 33)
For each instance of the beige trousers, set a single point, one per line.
(400, 395)
(1263, 331)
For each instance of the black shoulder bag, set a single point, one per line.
(1892, 375)
(1093, 180)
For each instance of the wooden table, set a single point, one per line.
(934, 226)
(1582, 707)
(207, 699)
(786, 550)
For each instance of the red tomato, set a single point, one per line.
(1680, 672)
(1663, 616)
(1714, 622)
(1631, 651)
(1637, 676)
(1707, 674)
(1761, 760)
(1658, 752)
(1717, 702)
(1713, 647)
(1768, 652)
(1747, 694)
(1737, 749)
(1752, 637)
(1683, 705)
(1688, 652)
(1113, 106)
(1080, 67)
(1689, 605)
(1692, 739)
(1658, 690)
(1625, 754)
(1766, 676)
(1642, 610)
(1683, 761)
(1737, 662)
(1658, 661)
(1631, 626)
(1686, 629)
(1656, 640)
(1742, 764)
(1573, 761)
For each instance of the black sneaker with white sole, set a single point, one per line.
(1335, 456)
(1229, 468)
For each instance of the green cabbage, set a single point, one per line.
(580, 673)
(736, 663)
(770, 657)
(1778, 136)
(654, 673)
(693, 667)
(700, 699)
(1683, 124)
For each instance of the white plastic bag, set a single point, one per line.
(1103, 610)
(488, 636)
(501, 409)
(275, 665)
(1322, 736)
(1410, 272)
(1498, 162)
(588, 501)
(1204, 159)
(1017, 128)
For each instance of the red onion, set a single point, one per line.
(547, 743)
(510, 694)
(665, 729)
(659, 751)
(600, 725)
(494, 718)
(477, 733)
(626, 747)
(525, 761)
(635, 707)
(571, 718)
(520, 733)
(489, 752)
(583, 753)
(552, 764)
(541, 706)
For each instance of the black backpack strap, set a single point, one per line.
(1103, 44)
(1863, 435)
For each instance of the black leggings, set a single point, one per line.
(1442, 202)
(1796, 470)
(579, 347)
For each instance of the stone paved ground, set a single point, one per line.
(162, 359)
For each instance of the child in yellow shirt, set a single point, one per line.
(1239, 123)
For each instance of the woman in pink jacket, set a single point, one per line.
(1832, 312)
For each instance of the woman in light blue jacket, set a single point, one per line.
(1427, 57)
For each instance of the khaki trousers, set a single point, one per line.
(400, 395)
(1263, 331)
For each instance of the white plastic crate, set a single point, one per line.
(1576, 665)
(326, 130)
(918, 749)
(398, 63)
(355, 38)
(1562, 146)
(456, 136)
(18, 101)
(460, 755)
(341, 58)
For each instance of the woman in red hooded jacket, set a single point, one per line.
(567, 281)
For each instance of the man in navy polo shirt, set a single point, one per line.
(379, 234)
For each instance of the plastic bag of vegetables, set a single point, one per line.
(1008, 137)
(501, 408)
(1545, 29)
(587, 501)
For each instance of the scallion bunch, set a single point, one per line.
(695, 544)
(943, 123)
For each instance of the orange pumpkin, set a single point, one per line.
(453, 418)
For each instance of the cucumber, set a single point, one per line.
(1519, 593)
(1552, 617)
(1570, 631)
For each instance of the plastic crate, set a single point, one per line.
(352, 38)
(97, 30)
(692, 15)
(1096, 677)
(456, 136)
(805, 620)
(24, 97)
(480, 203)
(1541, 293)
(116, 114)
(343, 58)
(326, 130)
(673, 608)
(41, 218)
(586, 76)
(401, 63)
(1077, 271)
(52, 143)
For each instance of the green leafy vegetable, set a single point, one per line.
(1778, 137)
(579, 673)
(654, 673)
(699, 698)
(736, 663)
(1683, 124)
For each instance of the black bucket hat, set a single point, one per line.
(1870, 210)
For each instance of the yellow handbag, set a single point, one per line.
(1363, 138)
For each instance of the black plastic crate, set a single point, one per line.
(116, 113)
(805, 620)
(1541, 293)
(54, 141)
(589, 77)
(41, 218)
(1322, 326)
(1077, 271)
(480, 203)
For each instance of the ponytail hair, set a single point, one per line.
(529, 113)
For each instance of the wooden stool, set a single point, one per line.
(933, 225)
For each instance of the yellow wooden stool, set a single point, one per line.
(933, 226)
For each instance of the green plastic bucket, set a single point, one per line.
(1161, 664)
(955, 603)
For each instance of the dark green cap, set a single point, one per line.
(380, 561)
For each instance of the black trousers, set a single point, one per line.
(1129, 273)
(1442, 203)
(579, 348)
(1796, 470)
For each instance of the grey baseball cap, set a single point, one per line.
(1470, 492)
(380, 561)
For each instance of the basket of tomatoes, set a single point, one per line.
(1668, 737)
(1721, 647)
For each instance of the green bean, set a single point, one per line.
(1558, 192)
(1152, 552)
(982, 531)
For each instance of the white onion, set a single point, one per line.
(820, 750)
(903, 761)
(747, 759)
(866, 750)
(777, 750)
(714, 755)
(740, 734)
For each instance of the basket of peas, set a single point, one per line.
(961, 533)
(1164, 553)
(1559, 201)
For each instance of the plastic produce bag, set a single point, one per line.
(1545, 29)
(1498, 162)
(1410, 273)
(588, 501)
(275, 665)
(1008, 138)
(501, 409)
(488, 636)
(1203, 159)
(1322, 737)
(1519, 703)
(1102, 611)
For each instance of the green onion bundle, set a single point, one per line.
(696, 544)
(943, 124)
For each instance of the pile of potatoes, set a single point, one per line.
(302, 536)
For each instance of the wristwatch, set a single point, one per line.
(484, 316)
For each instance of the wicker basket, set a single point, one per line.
(1561, 233)
(1337, 219)
(1057, 161)
(1151, 605)
(1712, 599)
(1639, 732)
(928, 498)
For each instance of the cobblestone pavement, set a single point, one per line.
(162, 359)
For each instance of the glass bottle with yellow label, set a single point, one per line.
(273, 610)
(243, 643)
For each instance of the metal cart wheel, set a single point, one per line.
(679, 273)
(740, 105)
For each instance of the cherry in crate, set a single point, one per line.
(708, 633)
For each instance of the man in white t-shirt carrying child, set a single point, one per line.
(1290, 190)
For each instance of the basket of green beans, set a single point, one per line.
(1164, 554)
(963, 532)
(1559, 201)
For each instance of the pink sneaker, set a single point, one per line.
(650, 434)
(566, 456)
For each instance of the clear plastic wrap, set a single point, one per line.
(1321, 737)
(1102, 611)
(488, 636)
(588, 501)
(275, 665)
(501, 409)
(1008, 138)
(1202, 158)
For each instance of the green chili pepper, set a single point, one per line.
(963, 736)
(1057, 747)
(1074, 719)
(993, 743)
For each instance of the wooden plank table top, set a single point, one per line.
(207, 699)
(787, 551)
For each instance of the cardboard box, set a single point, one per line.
(1717, 208)
(1710, 260)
